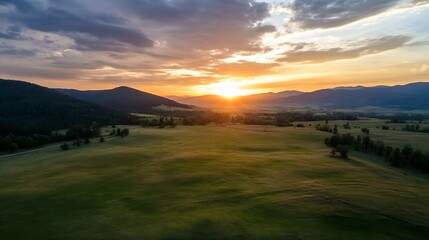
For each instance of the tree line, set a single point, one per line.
(397, 157)
(284, 119)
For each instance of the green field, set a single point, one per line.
(212, 182)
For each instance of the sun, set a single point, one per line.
(227, 89)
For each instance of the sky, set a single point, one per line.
(226, 47)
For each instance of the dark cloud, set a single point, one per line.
(22, 5)
(205, 24)
(9, 50)
(77, 24)
(366, 47)
(310, 14)
(13, 33)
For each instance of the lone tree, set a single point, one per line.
(65, 146)
(125, 132)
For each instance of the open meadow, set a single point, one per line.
(213, 182)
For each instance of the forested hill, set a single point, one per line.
(123, 99)
(26, 109)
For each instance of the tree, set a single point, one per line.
(125, 132)
(396, 158)
(365, 130)
(416, 159)
(379, 148)
(388, 153)
(14, 147)
(161, 122)
(344, 152)
(327, 141)
(172, 123)
(86, 141)
(406, 151)
(95, 128)
(365, 142)
(425, 163)
(358, 143)
(335, 141)
(65, 146)
(335, 130)
(102, 139)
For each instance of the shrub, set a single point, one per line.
(65, 146)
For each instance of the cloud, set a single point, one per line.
(362, 48)
(311, 14)
(205, 24)
(244, 69)
(13, 33)
(76, 24)
(9, 50)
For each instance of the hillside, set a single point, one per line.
(123, 99)
(410, 96)
(27, 108)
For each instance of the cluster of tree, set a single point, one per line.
(205, 118)
(327, 128)
(119, 132)
(347, 126)
(415, 128)
(365, 130)
(77, 143)
(161, 122)
(384, 127)
(82, 131)
(397, 157)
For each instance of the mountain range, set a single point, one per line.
(410, 96)
(123, 99)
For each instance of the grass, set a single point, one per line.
(212, 182)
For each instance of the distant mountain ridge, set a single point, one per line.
(124, 99)
(413, 95)
(409, 96)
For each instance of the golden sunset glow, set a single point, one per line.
(227, 89)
